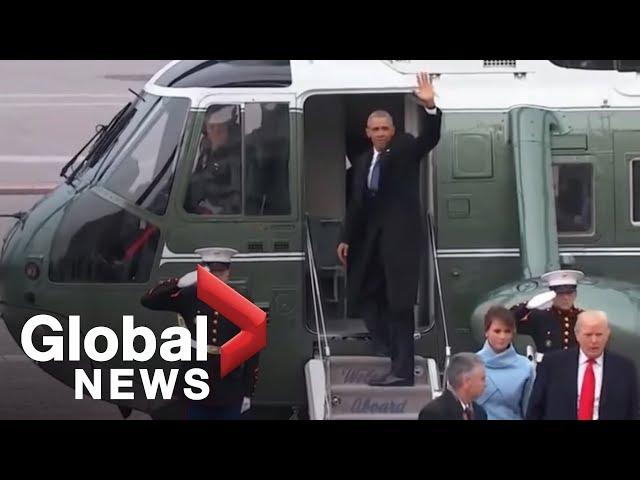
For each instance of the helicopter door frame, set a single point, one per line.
(427, 180)
(243, 98)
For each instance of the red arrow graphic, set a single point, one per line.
(251, 320)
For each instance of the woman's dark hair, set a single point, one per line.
(500, 314)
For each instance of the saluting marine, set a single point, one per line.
(230, 396)
(550, 317)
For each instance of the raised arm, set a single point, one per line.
(432, 119)
(164, 296)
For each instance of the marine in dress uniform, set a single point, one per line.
(230, 396)
(552, 325)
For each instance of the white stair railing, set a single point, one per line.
(434, 252)
(324, 352)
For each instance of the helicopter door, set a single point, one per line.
(237, 188)
(334, 137)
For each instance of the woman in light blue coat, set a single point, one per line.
(509, 375)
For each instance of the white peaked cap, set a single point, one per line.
(562, 277)
(216, 254)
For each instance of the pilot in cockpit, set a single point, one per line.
(216, 184)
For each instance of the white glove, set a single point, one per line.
(542, 300)
(189, 279)
(246, 405)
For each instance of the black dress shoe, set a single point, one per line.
(381, 350)
(378, 378)
(391, 381)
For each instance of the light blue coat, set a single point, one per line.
(510, 379)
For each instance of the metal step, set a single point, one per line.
(357, 370)
(372, 402)
(346, 328)
(366, 416)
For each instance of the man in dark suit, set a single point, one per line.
(383, 233)
(586, 383)
(465, 378)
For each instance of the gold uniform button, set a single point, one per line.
(566, 334)
(566, 340)
(216, 331)
(566, 325)
(566, 319)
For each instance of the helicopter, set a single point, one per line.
(538, 168)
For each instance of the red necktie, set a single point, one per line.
(587, 393)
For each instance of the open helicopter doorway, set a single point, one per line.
(335, 139)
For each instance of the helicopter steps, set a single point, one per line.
(352, 398)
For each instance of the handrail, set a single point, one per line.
(434, 252)
(321, 331)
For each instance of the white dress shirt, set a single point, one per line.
(597, 371)
(376, 154)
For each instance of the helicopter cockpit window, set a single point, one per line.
(144, 170)
(215, 187)
(99, 242)
(573, 185)
(242, 162)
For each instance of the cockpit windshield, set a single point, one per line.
(142, 167)
(107, 137)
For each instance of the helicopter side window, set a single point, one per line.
(242, 162)
(266, 132)
(99, 242)
(573, 185)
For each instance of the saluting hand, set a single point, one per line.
(189, 279)
(425, 90)
(541, 301)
